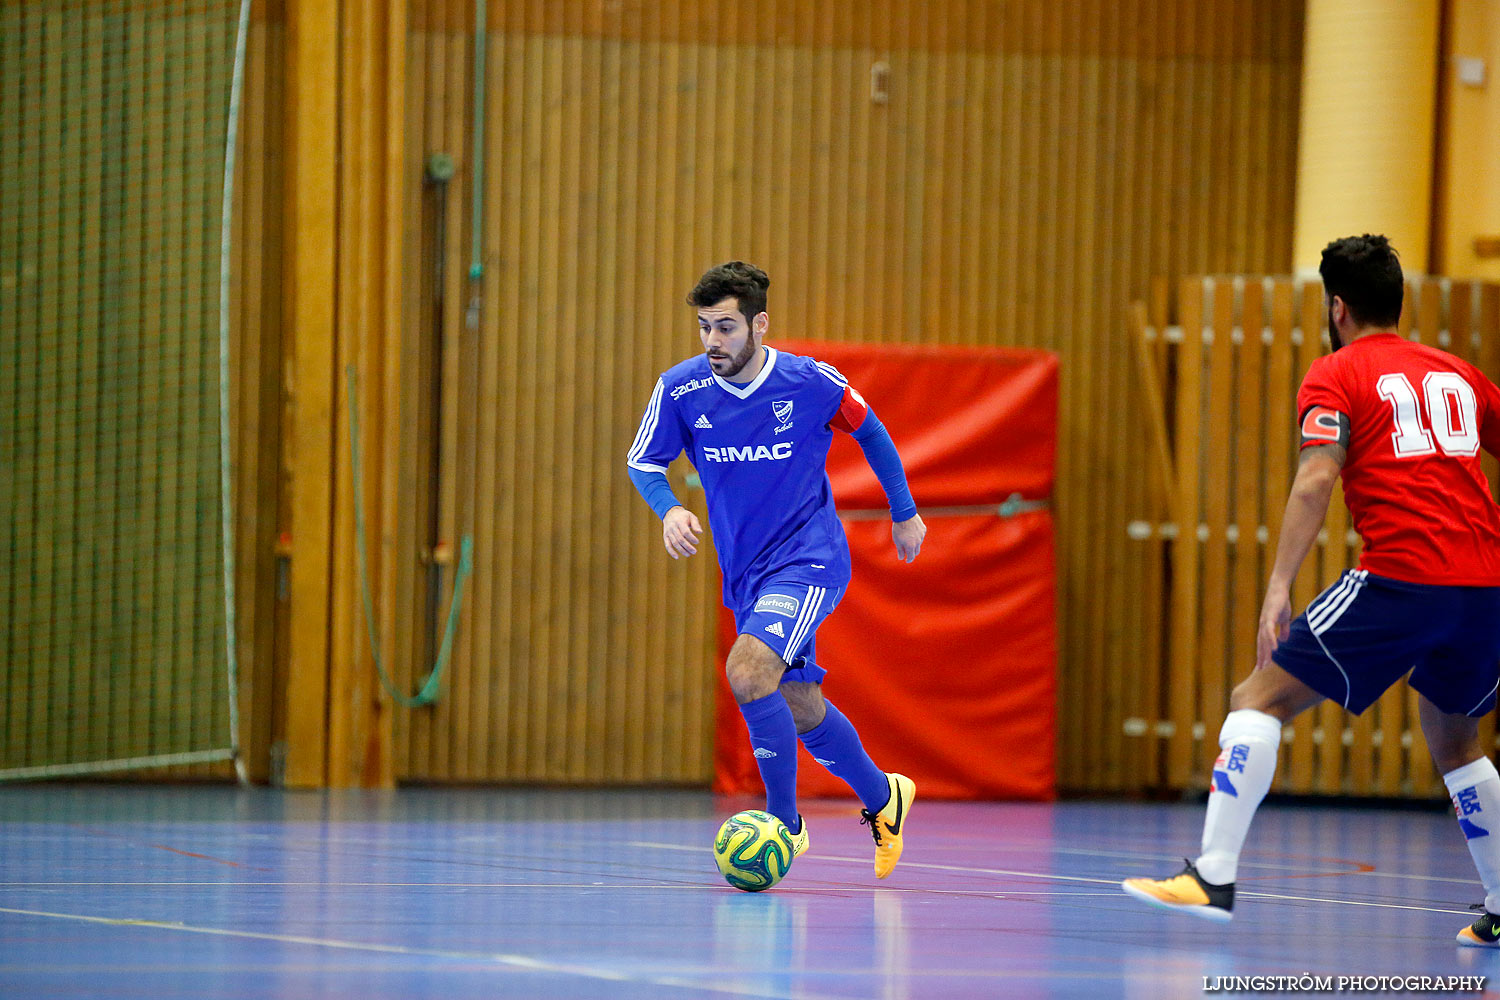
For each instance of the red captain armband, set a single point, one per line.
(1324, 425)
(852, 411)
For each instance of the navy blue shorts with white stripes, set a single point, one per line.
(1363, 633)
(785, 616)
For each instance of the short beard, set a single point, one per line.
(739, 361)
(1333, 332)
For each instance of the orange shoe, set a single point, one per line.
(1185, 892)
(888, 825)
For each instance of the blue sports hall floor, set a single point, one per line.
(113, 890)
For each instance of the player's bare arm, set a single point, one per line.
(1306, 508)
(680, 532)
(908, 535)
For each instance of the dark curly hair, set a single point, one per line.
(1365, 272)
(744, 282)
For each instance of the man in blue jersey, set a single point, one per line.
(757, 424)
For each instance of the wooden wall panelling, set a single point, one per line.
(1084, 209)
(1104, 291)
(312, 70)
(447, 96)
(496, 561)
(14, 670)
(407, 339)
(256, 365)
(92, 541)
(1280, 371)
(146, 311)
(625, 527)
(682, 166)
(59, 312)
(1248, 427)
(435, 456)
(158, 486)
(1215, 681)
(461, 456)
(1302, 753)
(1160, 510)
(450, 715)
(485, 718)
(576, 367)
(381, 128)
(354, 174)
(196, 588)
(1183, 621)
(873, 220)
(585, 750)
(653, 669)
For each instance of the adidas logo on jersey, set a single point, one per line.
(775, 629)
(764, 753)
(703, 422)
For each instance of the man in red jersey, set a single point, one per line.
(1403, 424)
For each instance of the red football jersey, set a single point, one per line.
(1414, 419)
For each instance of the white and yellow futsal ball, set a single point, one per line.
(753, 850)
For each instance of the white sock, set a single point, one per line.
(1475, 789)
(1242, 776)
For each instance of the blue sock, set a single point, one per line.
(834, 744)
(773, 734)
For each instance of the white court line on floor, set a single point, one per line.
(1084, 878)
(906, 864)
(520, 963)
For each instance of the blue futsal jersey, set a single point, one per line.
(761, 451)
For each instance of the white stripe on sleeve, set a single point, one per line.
(645, 432)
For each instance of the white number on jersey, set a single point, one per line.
(1450, 401)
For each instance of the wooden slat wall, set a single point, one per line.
(1244, 344)
(261, 514)
(111, 644)
(1035, 165)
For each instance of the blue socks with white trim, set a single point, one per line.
(834, 744)
(773, 735)
(1248, 743)
(1475, 789)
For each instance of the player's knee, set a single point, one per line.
(750, 676)
(1247, 694)
(1260, 698)
(1273, 691)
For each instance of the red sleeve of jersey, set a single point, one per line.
(1322, 407)
(851, 412)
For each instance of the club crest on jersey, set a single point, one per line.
(782, 409)
(779, 604)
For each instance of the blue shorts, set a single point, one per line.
(786, 616)
(1363, 633)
